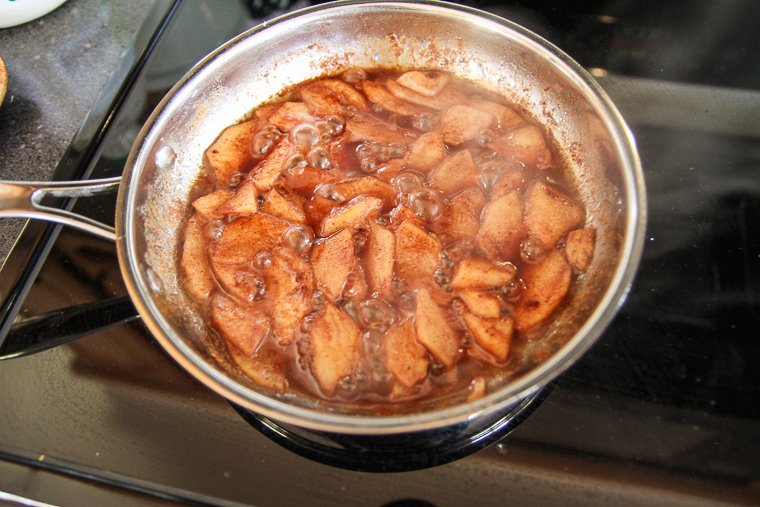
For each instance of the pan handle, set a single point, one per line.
(23, 199)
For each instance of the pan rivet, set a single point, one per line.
(165, 157)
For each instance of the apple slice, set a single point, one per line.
(428, 83)
(368, 185)
(502, 228)
(443, 99)
(278, 204)
(243, 238)
(289, 290)
(425, 152)
(206, 206)
(266, 174)
(244, 202)
(434, 331)
(230, 154)
(456, 223)
(335, 345)
(547, 282)
(193, 264)
(404, 357)
(351, 215)
(492, 335)
(461, 123)
(333, 259)
(290, 115)
(455, 173)
(479, 273)
(243, 326)
(550, 214)
(379, 259)
(525, 144)
(481, 303)
(379, 94)
(265, 367)
(363, 127)
(579, 248)
(418, 254)
(506, 117)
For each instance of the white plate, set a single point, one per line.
(17, 12)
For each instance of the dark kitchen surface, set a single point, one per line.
(664, 409)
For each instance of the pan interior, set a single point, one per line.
(253, 68)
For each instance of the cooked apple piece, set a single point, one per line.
(402, 213)
(290, 115)
(243, 238)
(335, 345)
(455, 173)
(289, 290)
(243, 326)
(492, 335)
(480, 273)
(368, 185)
(404, 357)
(434, 331)
(348, 94)
(244, 202)
(550, 214)
(457, 222)
(333, 259)
(317, 208)
(525, 144)
(206, 206)
(481, 303)
(418, 254)
(425, 152)
(391, 169)
(546, 285)
(379, 94)
(426, 83)
(445, 98)
(282, 206)
(268, 171)
(193, 264)
(579, 248)
(353, 214)
(304, 181)
(363, 127)
(379, 259)
(239, 281)
(322, 101)
(265, 112)
(230, 154)
(472, 199)
(506, 117)
(461, 123)
(265, 367)
(513, 178)
(477, 388)
(502, 228)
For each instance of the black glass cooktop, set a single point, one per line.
(664, 409)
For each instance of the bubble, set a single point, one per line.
(318, 158)
(258, 289)
(396, 150)
(485, 137)
(490, 170)
(264, 140)
(298, 238)
(336, 124)
(263, 260)
(295, 165)
(351, 307)
(305, 136)
(353, 286)
(165, 157)
(328, 191)
(154, 282)
(407, 302)
(513, 290)
(360, 239)
(426, 203)
(458, 306)
(531, 249)
(442, 277)
(446, 261)
(422, 122)
(373, 342)
(216, 230)
(377, 108)
(354, 75)
(407, 182)
(318, 299)
(377, 314)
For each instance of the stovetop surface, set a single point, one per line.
(663, 410)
